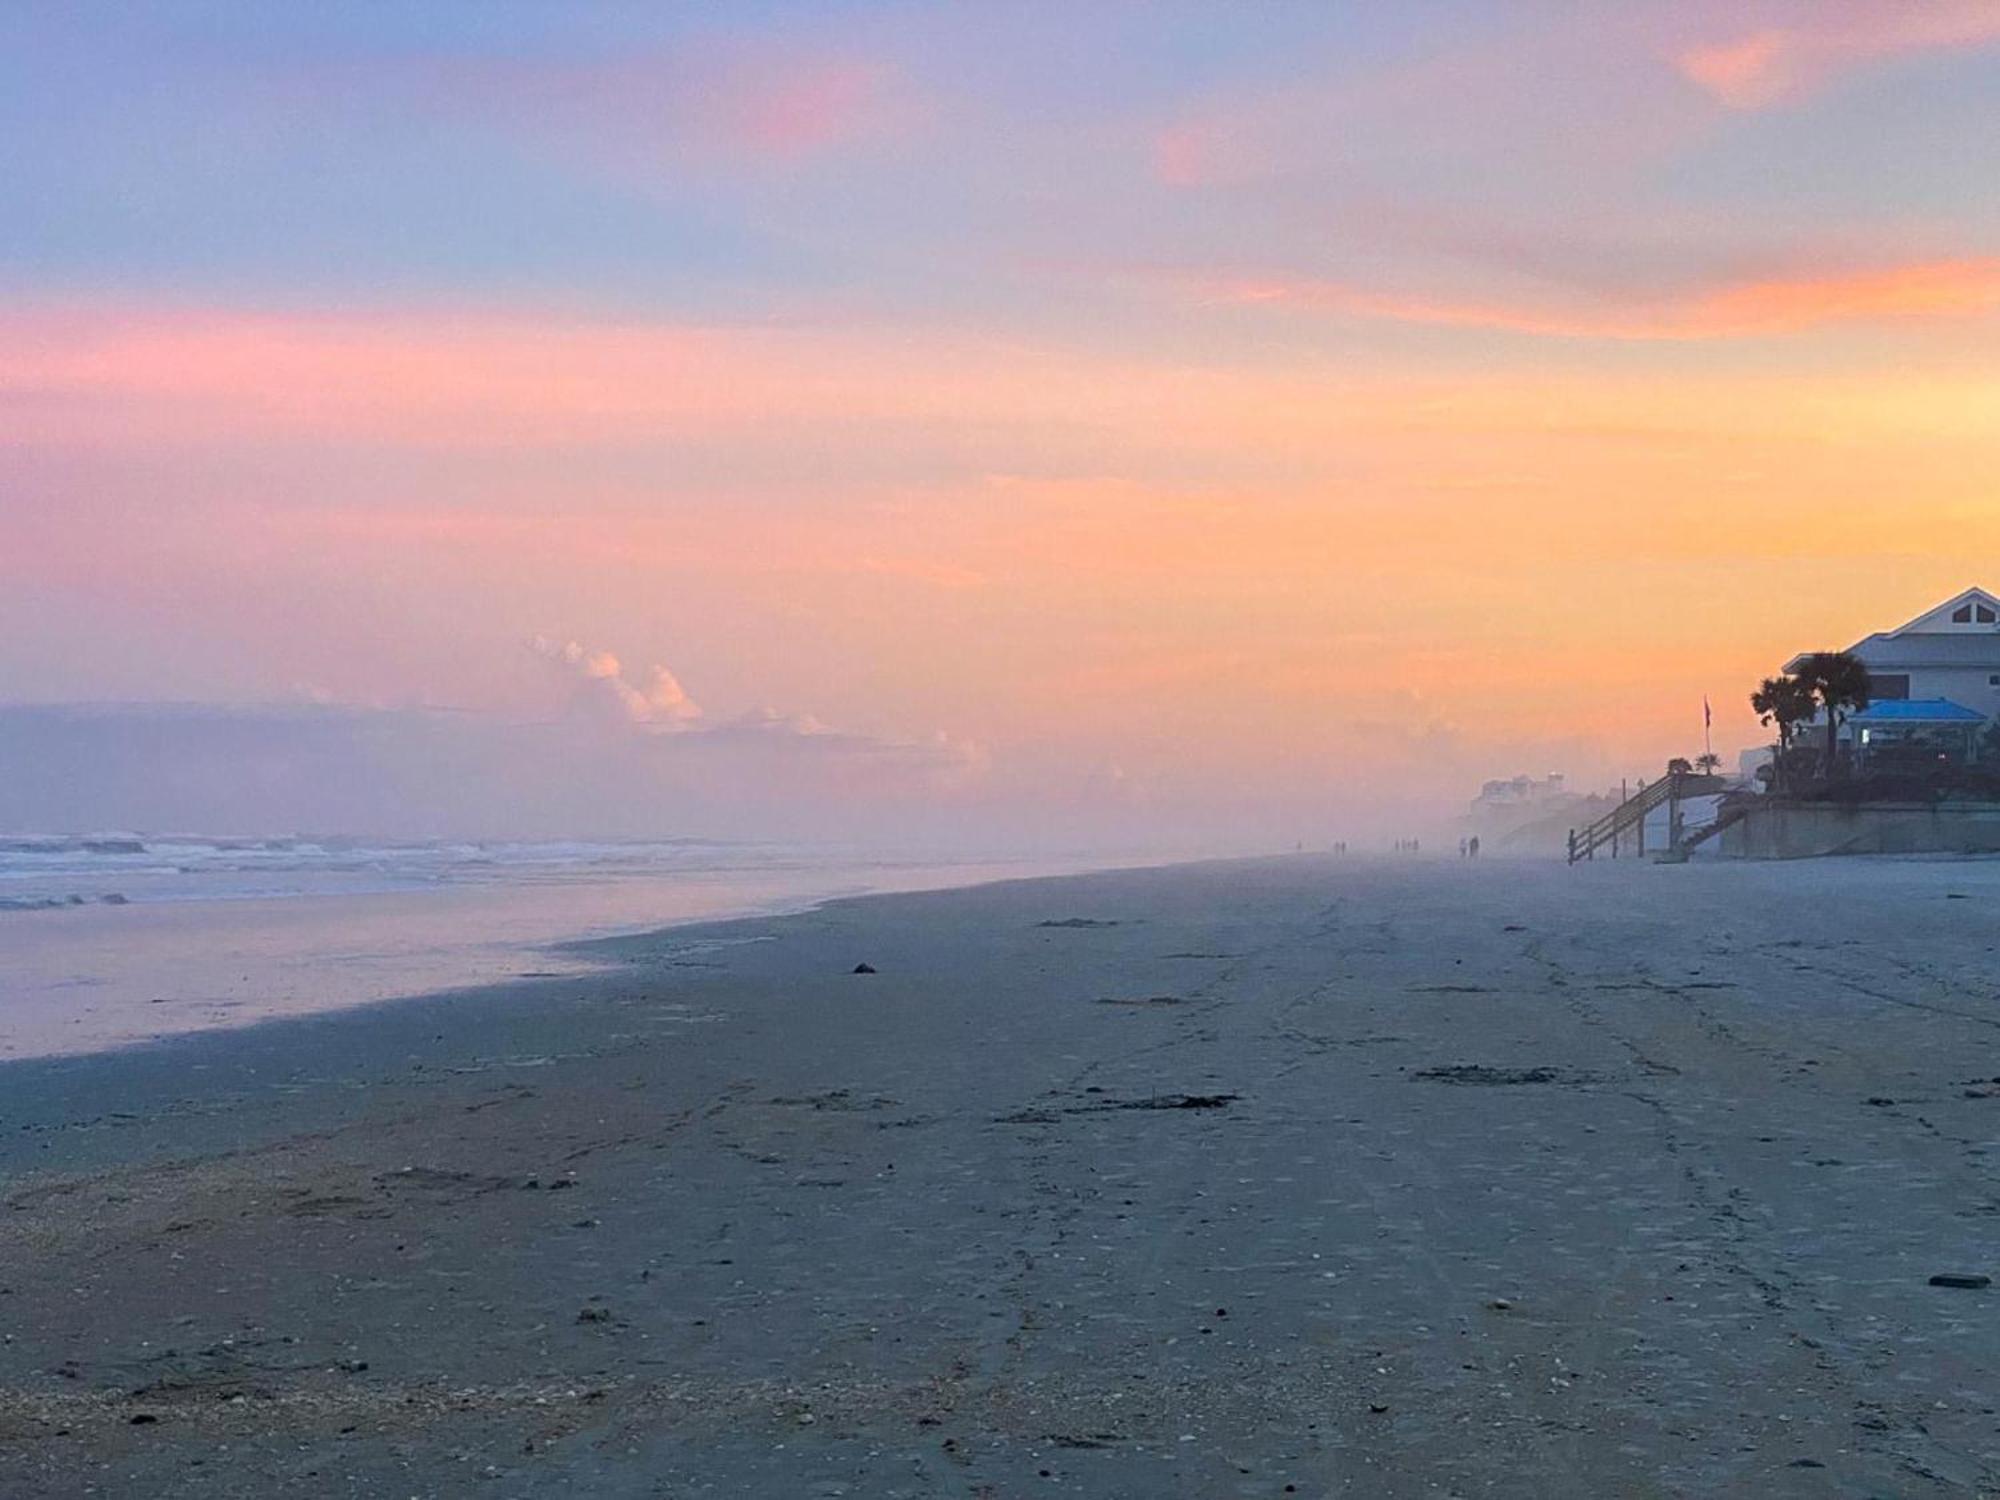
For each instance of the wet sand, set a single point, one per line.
(1298, 1177)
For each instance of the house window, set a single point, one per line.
(1983, 613)
(1962, 615)
(1887, 687)
(1993, 679)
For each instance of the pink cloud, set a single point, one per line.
(1209, 152)
(1180, 156)
(796, 109)
(654, 704)
(1775, 65)
(108, 377)
(432, 379)
(654, 700)
(1503, 96)
(715, 105)
(1745, 73)
(1938, 289)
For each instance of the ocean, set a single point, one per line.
(109, 940)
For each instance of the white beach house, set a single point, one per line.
(1950, 652)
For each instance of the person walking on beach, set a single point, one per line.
(1472, 847)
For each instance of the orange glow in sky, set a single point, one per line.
(1349, 412)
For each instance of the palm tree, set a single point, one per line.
(1838, 681)
(1786, 702)
(1680, 765)
(1708, 763)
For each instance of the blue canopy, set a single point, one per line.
(1917, 711)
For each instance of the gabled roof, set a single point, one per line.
(1933, 638)
(1978, 649)
(1938, 619)
(1917, 711)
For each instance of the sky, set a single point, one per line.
(1206, 422)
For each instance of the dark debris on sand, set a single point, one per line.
(1106, 1106)
(1478, 1074)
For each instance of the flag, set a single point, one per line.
(1707, 718)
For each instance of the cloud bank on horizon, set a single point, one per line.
(1250, 418)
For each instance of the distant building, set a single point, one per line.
(1524, 814)
(1519, 791)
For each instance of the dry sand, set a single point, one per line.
(1319, 1178)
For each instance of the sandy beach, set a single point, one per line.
(1314, 1177)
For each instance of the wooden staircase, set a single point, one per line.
(1680, 851)
(1624, 827)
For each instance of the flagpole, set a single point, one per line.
(1707, 727)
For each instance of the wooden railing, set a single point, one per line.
(1628, 818)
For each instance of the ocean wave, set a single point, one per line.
(42, 871)
(61, 903)
(57, 846)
